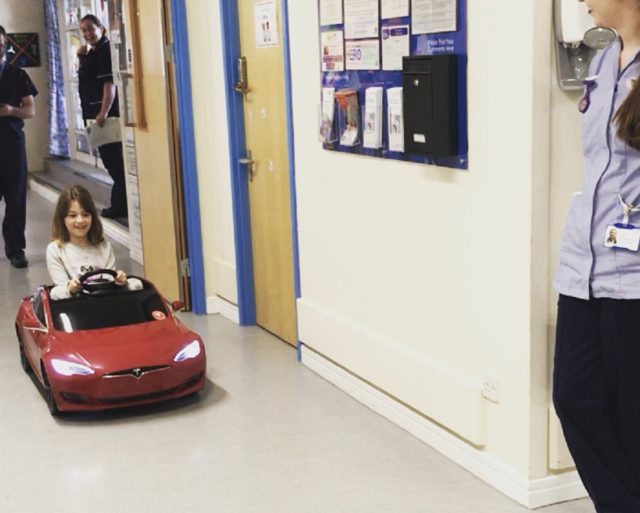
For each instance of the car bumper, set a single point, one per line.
(105, 391)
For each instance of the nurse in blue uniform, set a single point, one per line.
(99, 100)
(16, 104)
(596, 375)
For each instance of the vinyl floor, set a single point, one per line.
(267, 435)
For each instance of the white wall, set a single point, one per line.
(28, 16)
(566, 167)
(566, 177)
(416, 278)
(419, 279)
(212, 150)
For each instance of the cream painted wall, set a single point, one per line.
(212, 149)
(28, 16)
(566, 168)
(419, 279)
(416, 278)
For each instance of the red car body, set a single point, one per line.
(115, 366)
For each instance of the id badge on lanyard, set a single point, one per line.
(623, 235)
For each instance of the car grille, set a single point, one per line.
(136, 372)
(152, 395)
(114, 401)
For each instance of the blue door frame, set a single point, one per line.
(188, 154)
(237, 148)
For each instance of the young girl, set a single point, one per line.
(78, 245)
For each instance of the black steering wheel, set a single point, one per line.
(104, 284)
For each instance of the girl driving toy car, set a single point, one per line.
(78, 245)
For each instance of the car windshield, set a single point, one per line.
(125, 307)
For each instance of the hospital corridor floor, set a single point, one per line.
(266, 435)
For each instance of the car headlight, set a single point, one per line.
(70, 368)
(189, 351)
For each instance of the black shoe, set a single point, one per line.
(19, 260)
(112, 213)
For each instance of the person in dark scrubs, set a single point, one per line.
(16, 104)
(99, 100)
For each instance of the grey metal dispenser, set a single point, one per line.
(577, 40)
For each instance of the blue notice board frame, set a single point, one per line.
(420, 44)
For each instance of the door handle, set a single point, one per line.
(249, 162)
(242, 85)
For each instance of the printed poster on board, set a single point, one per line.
(432, 16)
(363, 55)
(360, 18)
(395, 46)
(332, 50)
(330, 12)
(394, 9)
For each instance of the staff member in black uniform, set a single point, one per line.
(16, 104)
(99, 100)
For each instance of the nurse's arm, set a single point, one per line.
(108, 95)
(26, 110)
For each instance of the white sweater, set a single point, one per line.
(66, 261)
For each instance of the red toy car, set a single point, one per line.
(108, 347)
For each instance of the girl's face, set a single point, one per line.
(91, 32)
(78, 223)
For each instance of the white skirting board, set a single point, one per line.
(44, 191)
(111, 229)
(533, 493)
(218, 305)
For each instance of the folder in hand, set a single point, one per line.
(100, 135)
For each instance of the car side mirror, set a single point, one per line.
(177, 305)
(33, 324)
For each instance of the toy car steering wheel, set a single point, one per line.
(105, 284)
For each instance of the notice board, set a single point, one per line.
(362, 45)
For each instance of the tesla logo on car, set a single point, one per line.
(137, 372)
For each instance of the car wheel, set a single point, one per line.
(24, 363)
(51, 400)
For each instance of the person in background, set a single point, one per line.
(78, 245)
(596, 378)
(99, 100)
(16, 104)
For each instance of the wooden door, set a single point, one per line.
(157, 161)
(269, 187)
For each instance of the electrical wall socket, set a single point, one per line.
(490, 388)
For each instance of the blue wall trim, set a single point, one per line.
(292, 155)
(188, 154)
(237, 148)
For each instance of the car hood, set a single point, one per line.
(123, 347)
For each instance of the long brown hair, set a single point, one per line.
(77, 193)
(628, 117)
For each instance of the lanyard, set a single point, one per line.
(627, 210)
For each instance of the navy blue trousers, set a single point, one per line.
(596, 393)
(111, 155)
(13, 191)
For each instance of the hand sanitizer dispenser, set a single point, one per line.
(577, 39)
(430, 96)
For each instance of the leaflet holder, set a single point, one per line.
(430, 104)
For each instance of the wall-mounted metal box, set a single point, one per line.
(430, 104)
